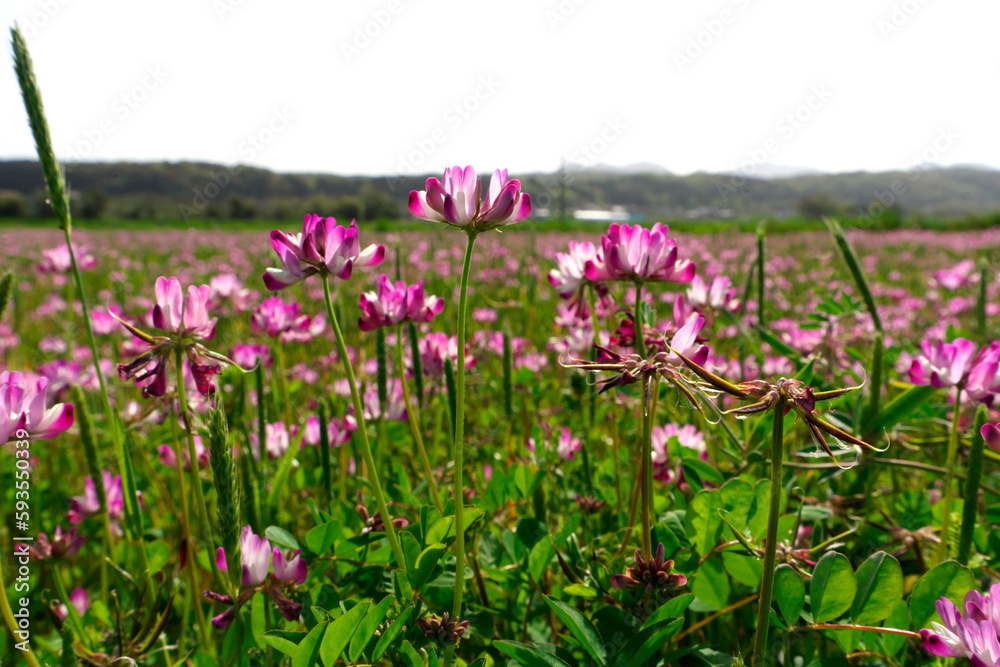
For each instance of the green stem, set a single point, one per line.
(767, 578)
(8, 617)
(949, 479)
(647, 468)
(411, 416)
(971, 503)
(760, 278)
(366, 450)
(71, 612)
(640, 330)
(459, 489)
(286, 407)
(199, 494)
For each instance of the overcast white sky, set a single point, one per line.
(299, 86)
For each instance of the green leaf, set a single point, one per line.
(950, 579)
(443, 530)
(339, 632)
(410, 655)
(789, 593)
(426, 561)
(258, 608)
(711, 585)
(758, 510)
(671, 609)
(539, 558)
(705, 520)
(366, 629)
(529, 656)
(655, 642)
(581, 628)
(742, 568)
(899, 619)
(307, 652)
(646, 641)
(321, 539)
(701, 472)
(390, 635)
(281, 537)
(158, 554)
(286, 642)
(581, 591)
(832, 588)
(899, 409)
(880, 588)
(736, 497)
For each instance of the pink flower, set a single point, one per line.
(57, 260)
(290, 571)
(276, 318)
(568, 445)
(957, 363)
(956, 276)
(63, 545)
(974, 636)
(338, 431)
(457, 201)
(169, 458)
(277, 440)
(435, 348)
(687, 436)
(256, 555)
(393, 304)
(686, 342)
(80, 601)
(82, 507)
(571, 273)
(187, 324)
(991, 434)
(640, 255)
(172, 315)
(719, 295)
(23, 410)
(323, 248)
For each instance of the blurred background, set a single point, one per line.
(878, 111)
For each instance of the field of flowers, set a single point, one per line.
(610, 514)
(450, 445)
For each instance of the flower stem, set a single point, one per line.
(366, 450)
(8, 617)
(975, 465)
(767, 578)
(199, 494)
(71, 612)
(949, 479)
(640, 330)
(459, 488)
(411, 416)
(648, 408)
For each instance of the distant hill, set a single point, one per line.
(188, 189)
